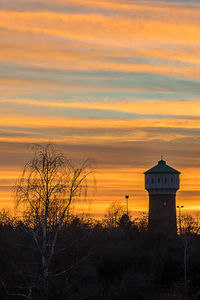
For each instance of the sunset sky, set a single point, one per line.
(116, 81)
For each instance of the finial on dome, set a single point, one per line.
(161, 161)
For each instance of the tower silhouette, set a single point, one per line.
(162, 183)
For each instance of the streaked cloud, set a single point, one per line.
(179, 109)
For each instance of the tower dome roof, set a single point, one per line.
(162, 167)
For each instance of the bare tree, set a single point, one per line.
(48, 185)
(190, 224)
(114, 212)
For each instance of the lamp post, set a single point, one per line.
(179, 207)
(127, 197)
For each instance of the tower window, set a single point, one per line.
(158, 180)
(171, 180)
(164, 204)
(165, 180)
(152, 180)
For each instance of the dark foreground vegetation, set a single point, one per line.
(95, 260)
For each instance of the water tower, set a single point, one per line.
(162, 183)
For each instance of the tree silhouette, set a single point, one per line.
(113, 214)
(48, 185)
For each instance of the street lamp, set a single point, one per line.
(179, 207)
(127, 197)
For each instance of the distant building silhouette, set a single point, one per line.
(162, 183)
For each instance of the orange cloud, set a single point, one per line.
(142, 8)
(60, 122)
(173, 108)
(100, 29)
(92, 41)
(79, 55)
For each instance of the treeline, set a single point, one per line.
(98, 260)
(50, 254)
